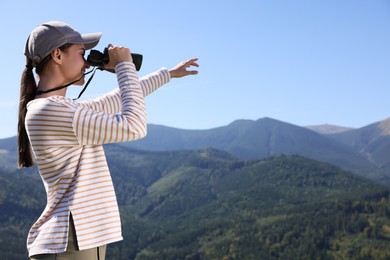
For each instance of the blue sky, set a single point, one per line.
(303, 62)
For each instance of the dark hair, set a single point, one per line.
(28, 88)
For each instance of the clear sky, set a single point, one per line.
(304, 62)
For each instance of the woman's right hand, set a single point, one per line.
(116, 55)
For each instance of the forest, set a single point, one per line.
(206, 204)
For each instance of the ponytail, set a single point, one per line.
(28, 90)
(27, 93)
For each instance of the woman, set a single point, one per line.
(81, 216)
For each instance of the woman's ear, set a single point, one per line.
(56, 55)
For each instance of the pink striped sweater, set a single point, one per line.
(67, 137)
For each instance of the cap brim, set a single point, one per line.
(89, 40)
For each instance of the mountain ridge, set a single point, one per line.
(364, 151)
(328, 128)
(247, 139)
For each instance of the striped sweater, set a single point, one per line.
(66, 137)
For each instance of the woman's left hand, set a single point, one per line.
(180, 70)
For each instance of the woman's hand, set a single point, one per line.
(180, 70)
(117, 54)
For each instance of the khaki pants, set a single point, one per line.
(72, 252)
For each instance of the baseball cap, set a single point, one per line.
(49, 36)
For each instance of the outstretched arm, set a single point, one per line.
(111, 102)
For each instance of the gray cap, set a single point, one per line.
(49, 36)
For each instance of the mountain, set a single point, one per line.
(265, 137)
(249, 197)
(328, 129)
(206, 204)
(247, 139)
(373, 141)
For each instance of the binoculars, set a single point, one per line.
(98, 59)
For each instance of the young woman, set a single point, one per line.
(81, 216)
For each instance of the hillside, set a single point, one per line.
(256, 210)
(207, 204)
(373, 141)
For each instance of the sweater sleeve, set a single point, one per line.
(153, 81)
(99, 127)
(111, 102)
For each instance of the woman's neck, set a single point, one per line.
(48, 83)
(60, 92)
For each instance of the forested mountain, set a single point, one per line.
(206, 204)
(263, 191)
